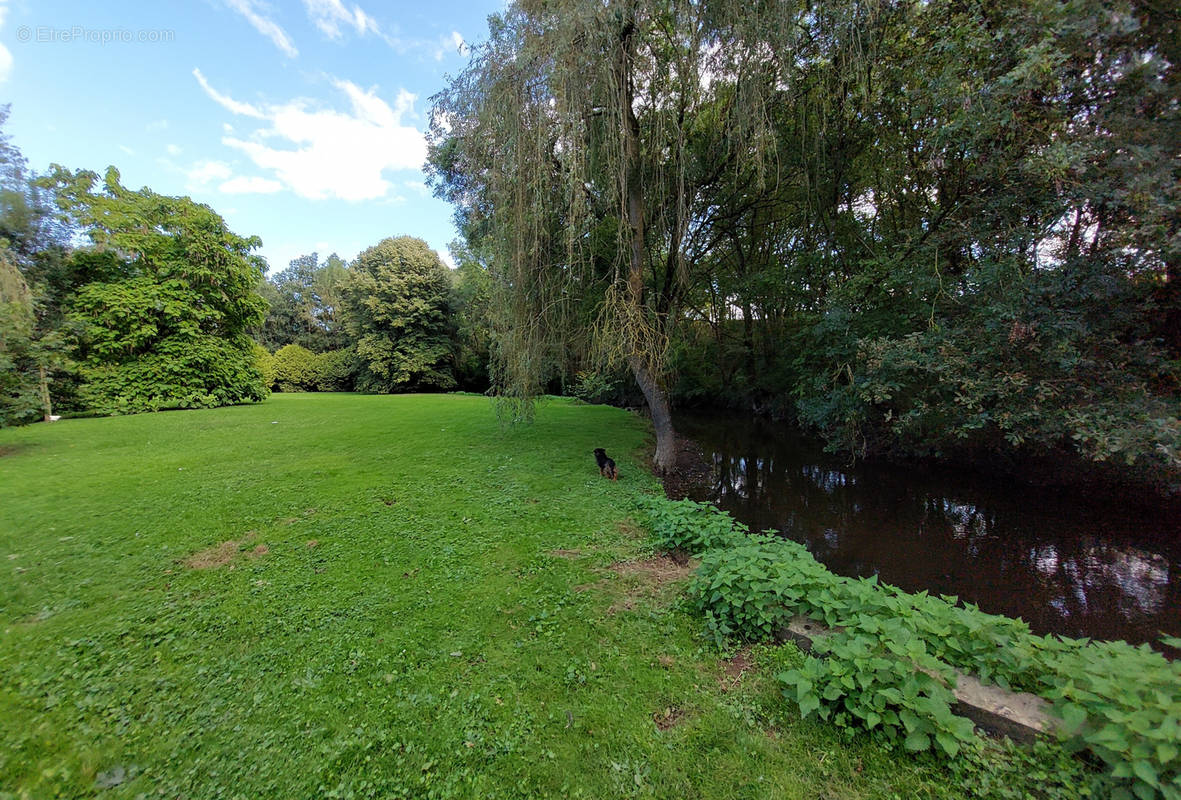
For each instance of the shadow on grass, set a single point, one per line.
(16, 449)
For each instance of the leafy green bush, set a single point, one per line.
(892, 655)
(295, 369)
(691, 526)
(19, 398)
(336, 370)
(1008, 384)
(1124, 705)
(264, 362)
(202, 372)
(593, 387)
(885, 683)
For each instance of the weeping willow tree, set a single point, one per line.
(578, 146)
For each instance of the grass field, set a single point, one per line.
(326, 596)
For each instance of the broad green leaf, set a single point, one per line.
(1145, 772)
(917, 742)
(948, 742)
(1074, 716)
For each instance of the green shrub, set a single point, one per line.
(202, 372)
(892, 655)
(295, 369)
(336, 370)
(264, 362)
(593, 387)
(691, 526)
(165, 298)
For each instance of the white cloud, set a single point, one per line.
(204, 172)
(5, 54)
(157, 126)
(126, 149)
(329, 15)
(446, 258)
(336, 17)
(250, 185)
(452, 43)
(226, 102)
(252, 11)
(329, 152)
(173, 150)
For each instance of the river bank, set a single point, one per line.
(1067, 561)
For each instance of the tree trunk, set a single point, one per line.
(650, 385)
(662, 420)
(43, 385)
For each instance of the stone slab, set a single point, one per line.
(1018, 715)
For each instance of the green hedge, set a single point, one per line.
(297, 369)
(892, 656)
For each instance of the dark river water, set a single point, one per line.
(1065, 563)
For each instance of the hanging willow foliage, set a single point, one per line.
(577, 145)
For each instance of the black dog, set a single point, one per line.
(606, 464)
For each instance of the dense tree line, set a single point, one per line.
(114, 301)
(922, 229)
(394, 320)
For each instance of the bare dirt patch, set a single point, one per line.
(659, 570)
(669, 717)
(649, 577)
(734, 668)
(213, 557)
(630, 529)
(625, 604)
(224, 554)
(691, 472)
(12, 449)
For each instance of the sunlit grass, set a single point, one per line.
(391, 620)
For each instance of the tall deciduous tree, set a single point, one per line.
(33, 281)
(304, 305)
(919, 227)
(396, 296)
(470, 299)
(166, 299)
(571, 142)
(24, 386)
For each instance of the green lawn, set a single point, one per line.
(392, 620)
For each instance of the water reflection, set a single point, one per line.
(1058, 562)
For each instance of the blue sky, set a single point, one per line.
(299, 121)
